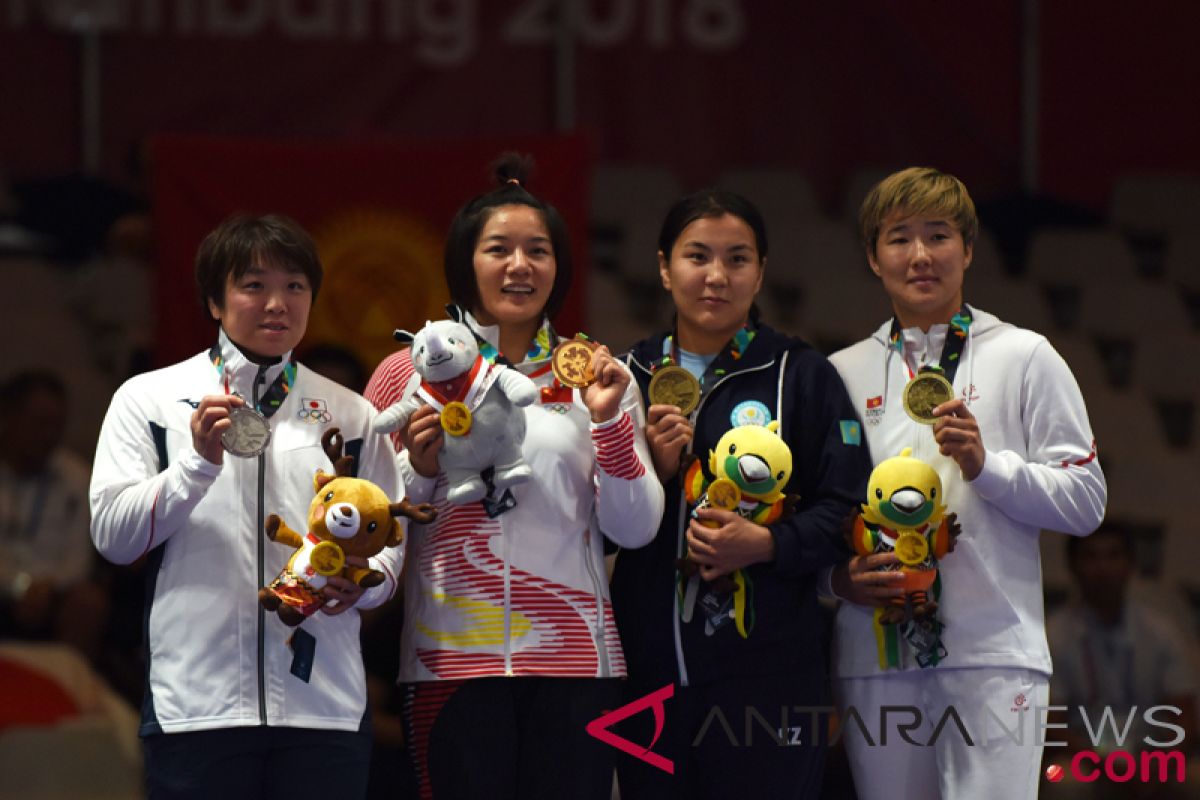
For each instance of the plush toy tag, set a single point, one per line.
(495, 508)
(718, 610)
(925, 637)
(304, 649)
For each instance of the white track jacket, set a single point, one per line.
(215, 658)
(1040, 472)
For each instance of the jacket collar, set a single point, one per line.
(766, 345)
(241, 371)
(489, 338)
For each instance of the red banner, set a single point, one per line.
(378, 213)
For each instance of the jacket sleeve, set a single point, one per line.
(830, 462)
(379, 466)
(629, 497)
(135, 506)
(1060, 485)
(383, 390)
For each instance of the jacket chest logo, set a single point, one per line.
(313, 411)
(873, 413)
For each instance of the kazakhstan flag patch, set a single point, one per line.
(851, 431)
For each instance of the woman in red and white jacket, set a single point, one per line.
(509, 646)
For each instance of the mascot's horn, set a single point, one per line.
(454, 312)
(403, 336)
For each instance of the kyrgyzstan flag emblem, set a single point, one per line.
(874, 402)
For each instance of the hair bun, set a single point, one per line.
(512, 168)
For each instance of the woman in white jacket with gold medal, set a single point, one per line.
(1011, 442)
(509, 646)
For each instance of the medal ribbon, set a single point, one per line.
(539, 350)
(887, 636)
(732, 351)
(952, 348)
(276, 393)
(468, 394)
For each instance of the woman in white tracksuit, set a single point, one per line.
(238, 704)
(1015, 454)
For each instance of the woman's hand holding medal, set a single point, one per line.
(209, 423)
(674, 395)
(589, 367)
(667, 433)
(603, 395)
(957, 433)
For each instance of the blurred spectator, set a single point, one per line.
(113, 299)
(1113, 653)
(78, 214)
(46, 555)
(15, 238)
(113, 293)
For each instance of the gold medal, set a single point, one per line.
(456, 418)
(724, 493)
(327, 558)
(675, 386)
(572, 363)
(925, 392)
(911, 548)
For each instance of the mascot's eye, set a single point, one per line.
(879, 494)
(328, 497)
(371, 528)
(732, 449)
(932, 492)
(779, 477)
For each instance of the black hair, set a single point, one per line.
(511, 172)
(713, 203)
(710, 203)
(234, 245)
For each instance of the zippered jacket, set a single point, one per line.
(525, 593)
(793, 383)
(215, 658)
(1040, 472)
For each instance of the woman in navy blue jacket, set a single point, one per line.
(744, 683)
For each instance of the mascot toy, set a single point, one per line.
(904, 514)
(347, 517)
(749, 467)
(478, 402)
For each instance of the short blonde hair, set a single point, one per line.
(918, 190)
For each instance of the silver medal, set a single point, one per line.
(248, 435)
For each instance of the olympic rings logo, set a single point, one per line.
(313, 412)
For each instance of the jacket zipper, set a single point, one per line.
(259, 377)
(508, 670)
(598, 631)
